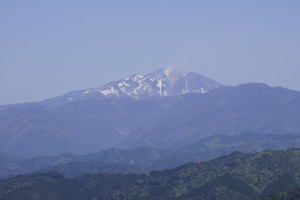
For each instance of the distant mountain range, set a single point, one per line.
(157, 121)
(264, 175)
(189, 108)
(145, 159)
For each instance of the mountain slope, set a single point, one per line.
(109, 160)
(219, 145)
(79, 127)
(249, 107)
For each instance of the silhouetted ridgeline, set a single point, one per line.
(237, 176)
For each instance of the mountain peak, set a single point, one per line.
(170, 74)
(168, 81)
(170, 71)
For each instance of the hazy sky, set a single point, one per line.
(48, 48)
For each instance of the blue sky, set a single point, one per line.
(48, 48)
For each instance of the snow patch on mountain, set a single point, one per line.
(167, 81)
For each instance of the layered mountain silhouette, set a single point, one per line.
(179, 109)
(145, 159)
(264, 175)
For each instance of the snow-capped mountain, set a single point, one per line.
(163, 82)
(167, 81)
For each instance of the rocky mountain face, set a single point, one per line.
(160, 83)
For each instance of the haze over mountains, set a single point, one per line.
(145, 159)
(164, 109)
(158, 121)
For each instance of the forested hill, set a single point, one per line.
(237, 176)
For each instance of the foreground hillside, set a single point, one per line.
(237, 176)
